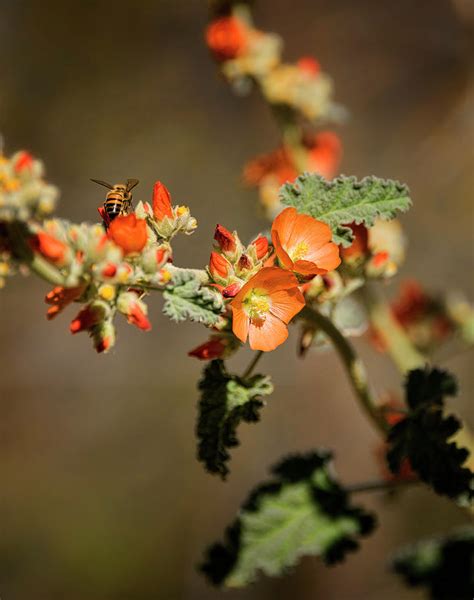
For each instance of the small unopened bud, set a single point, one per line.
(225, 239)
(261, 246)
(219, 266)
(161, 202)
(231, 290)
(213, 348)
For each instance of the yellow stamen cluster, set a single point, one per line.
(257, 305)
(299, 251)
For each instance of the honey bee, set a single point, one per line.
(118, 201)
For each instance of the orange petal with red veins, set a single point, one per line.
(268, 335)
(310, 231)
(286, 304)
(240, 323)
(307, 268)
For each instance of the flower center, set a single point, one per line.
(257, 305)
(299, 251)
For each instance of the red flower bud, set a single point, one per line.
(261, 245)
(380, 258)
(23, 162)
(309, 65)
(226, 38)
(109, 270)
(129, 233)
(102, 345)
(225, 239)
(161, 202)
(218, 266)
(104, 216)
(231, 290)
(213, 348)
(49, 247)
(244, 262)
(85, 320)
(137, 317)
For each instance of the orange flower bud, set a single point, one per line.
(225, 239)
(161, 202)
(226, 38)
(24, 161)
(49, 247)
(213, 348)
(218, 266)
(129, 233)
(103, 345)
(380, 258)
(60, 297)
(309, 65)
(261, 245)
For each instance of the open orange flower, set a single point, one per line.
(303, 244)
(264, 306)
(129, 233)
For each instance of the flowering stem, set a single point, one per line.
(354, 366)
(253, 364)
(380, 486)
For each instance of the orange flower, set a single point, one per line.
(360, 245)
(303, 244)
(226, 38)
(23, 162)
(324, 153)
(277, 163)
(129, 233)
(161, 202)
(309, 65)
(49, 247)
(264, 306)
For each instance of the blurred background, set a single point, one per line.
(101, 495)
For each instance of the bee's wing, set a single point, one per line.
(131, 183)
(104, 183)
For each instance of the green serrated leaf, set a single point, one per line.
(226, 400)
(345, 200)
(444, 565)
(187, 296)
(301, 511)
(423, 436)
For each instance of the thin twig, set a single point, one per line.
(380, 486)
(253, 364)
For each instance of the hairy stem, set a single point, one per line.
(253, 363)
(355, 368)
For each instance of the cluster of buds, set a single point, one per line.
(376, 252)
(246, 54)
(24, 194)
(109, 271)
(320, 153)
(430, 320)
(232, 264)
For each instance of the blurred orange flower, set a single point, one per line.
(303, 244)
(60, 297)
(129, 233)
(226, 38)
(264, 306)
(49, 247)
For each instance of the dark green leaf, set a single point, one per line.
(423, 436)
(226, 400)
(301, 511)
(444, 565)
(345, 200)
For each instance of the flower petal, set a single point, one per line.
(326, 257)
(240, 322)
(307, 268)
(285, 304)
(268, 334)
(280, 251)
(284, 224)
(310, 231)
